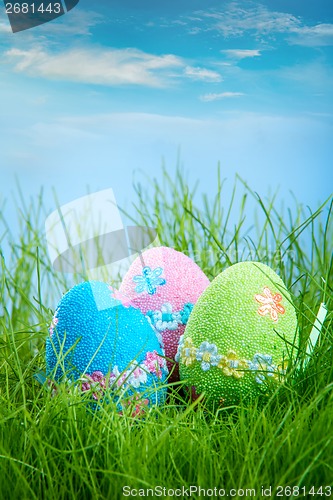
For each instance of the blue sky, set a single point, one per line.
(106, 92)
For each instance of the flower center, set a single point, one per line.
(166, 317)
(206, 357)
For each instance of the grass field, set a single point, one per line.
(52, 447)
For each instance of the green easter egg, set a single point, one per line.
(240, 337)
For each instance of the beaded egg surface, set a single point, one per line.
(240, 337)
(102, 342)
(165, 284)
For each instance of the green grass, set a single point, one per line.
(52, 447)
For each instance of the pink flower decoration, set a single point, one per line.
(117, 377)
(154, 363)
(270, 303)
(53, 324)
(137, 373)
(85, 386)
(98, 376)
(96, 381)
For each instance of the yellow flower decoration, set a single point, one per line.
(232, 366)
(188, 352)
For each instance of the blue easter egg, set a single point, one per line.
(105, 344)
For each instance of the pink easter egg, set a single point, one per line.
(165, 284)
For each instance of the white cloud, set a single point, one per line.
(238, 19)
(203, 74)
(179, 22)
(107, 66)
(319, 35)
(223, 95)
(241, 53)
(103, 67)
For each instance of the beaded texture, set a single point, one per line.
(100, 341)
(238, 340)
(230, 363)
(173, 285)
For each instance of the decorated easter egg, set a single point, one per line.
(240, 337)
(165, 284)
(103, 343)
